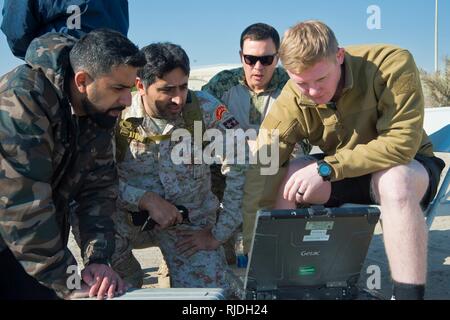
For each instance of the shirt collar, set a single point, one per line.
(348, 83)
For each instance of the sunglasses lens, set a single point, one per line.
(250, 60)
(265, 60)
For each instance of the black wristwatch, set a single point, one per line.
(324, 170)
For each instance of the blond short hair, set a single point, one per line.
(307, 43)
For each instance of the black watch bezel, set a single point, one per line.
(323, 163)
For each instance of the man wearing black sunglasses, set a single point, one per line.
(250, 91)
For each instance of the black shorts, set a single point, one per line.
(357, 190)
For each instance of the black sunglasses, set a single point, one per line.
(265, 60)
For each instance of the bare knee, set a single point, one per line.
(401, 185)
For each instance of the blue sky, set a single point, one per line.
(209, 30)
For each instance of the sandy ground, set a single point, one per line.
(150, 259)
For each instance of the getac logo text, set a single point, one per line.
(310, 253)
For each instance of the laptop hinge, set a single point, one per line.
(317, 210)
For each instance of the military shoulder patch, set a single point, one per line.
(220, 111)
(231, 123)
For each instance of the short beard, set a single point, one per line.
(102, 119)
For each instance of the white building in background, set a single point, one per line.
(200, 76)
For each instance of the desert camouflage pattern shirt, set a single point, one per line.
(49, 160)
(148, 166)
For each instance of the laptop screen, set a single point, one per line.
(293, 250)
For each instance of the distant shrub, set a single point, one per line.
(437, 86)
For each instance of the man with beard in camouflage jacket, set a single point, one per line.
(57, 113)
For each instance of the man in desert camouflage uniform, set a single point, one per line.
(57, 113)
(151, 181)
(249, 92)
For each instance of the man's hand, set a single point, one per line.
(103, 280)
(194, 240)
(307, 186)
(162, 212)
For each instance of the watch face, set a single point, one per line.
(324, 170)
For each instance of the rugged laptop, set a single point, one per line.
(312, 253)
